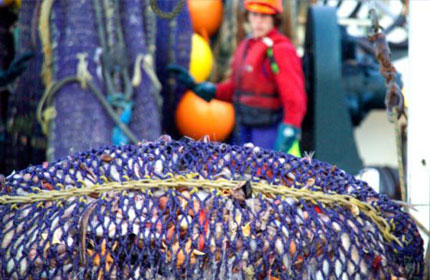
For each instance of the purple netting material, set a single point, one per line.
(78, 111)
(184, 233)
(146, 121)
(73, 31)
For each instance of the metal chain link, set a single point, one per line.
(394, 97)
(167, 15)
(394, 100)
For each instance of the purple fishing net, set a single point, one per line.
(198, 228)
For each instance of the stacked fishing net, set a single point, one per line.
(91, 56)
(185, 209)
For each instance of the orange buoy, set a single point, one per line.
(206, 16)
(196, 118)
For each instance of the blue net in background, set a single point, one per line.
(87, 54)
(200, 210)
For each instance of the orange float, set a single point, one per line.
(196, 118)
(206, 16)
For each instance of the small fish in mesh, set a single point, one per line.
(183, 209)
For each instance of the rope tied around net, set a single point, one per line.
(221, 186)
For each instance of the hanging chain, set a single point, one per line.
(169, 15)
(394, 98)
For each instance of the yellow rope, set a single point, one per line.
(147, 63)
(219, 185)
(82, 70)
(47, 76)
(45, 38)
(45, 116)
(137, 75)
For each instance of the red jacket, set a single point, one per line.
(264, 89)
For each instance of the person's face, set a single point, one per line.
(261, 24)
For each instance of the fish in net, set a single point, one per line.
(189, 209)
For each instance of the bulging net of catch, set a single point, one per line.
(200, 210)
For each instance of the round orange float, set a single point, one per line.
(206, 16)
(196, 118)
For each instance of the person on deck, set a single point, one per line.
(266, 85)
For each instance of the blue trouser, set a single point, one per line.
(263, 137)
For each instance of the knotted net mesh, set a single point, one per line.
(200, 210)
